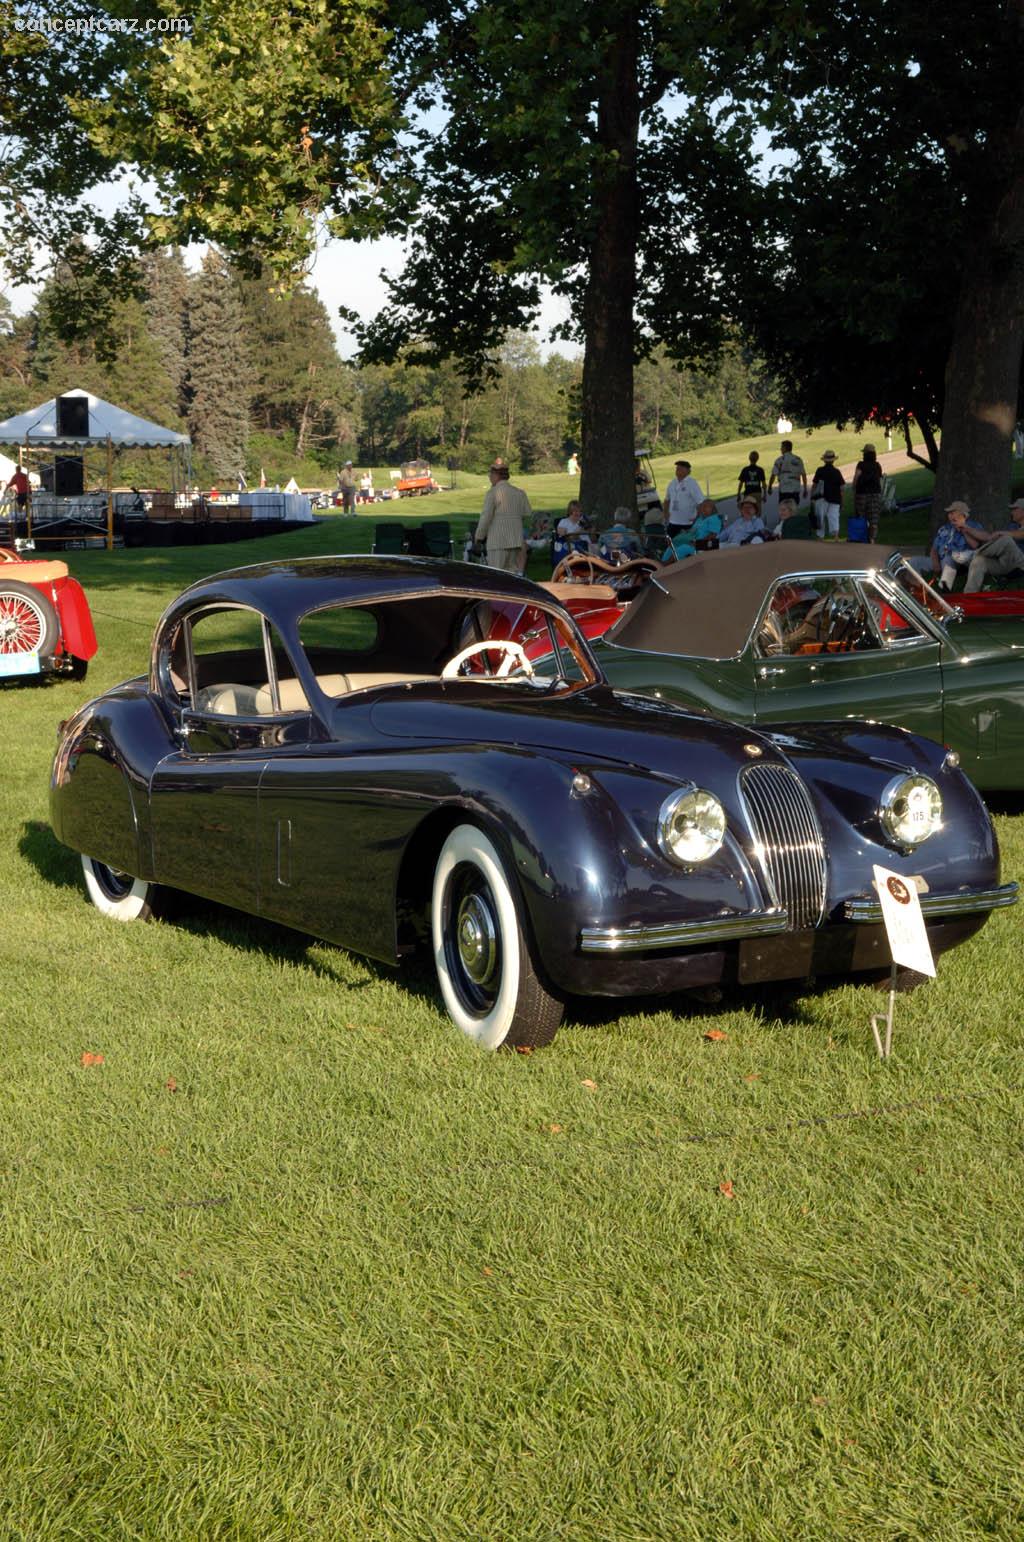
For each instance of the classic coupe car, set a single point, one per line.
(45, 625)
(342, 746)
(800, 631)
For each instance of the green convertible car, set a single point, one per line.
(804, 631)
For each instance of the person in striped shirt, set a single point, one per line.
(503, 519)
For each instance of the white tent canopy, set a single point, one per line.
(7, 469)
(107, 424)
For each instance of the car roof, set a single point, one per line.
(297, 585)
(706, 605)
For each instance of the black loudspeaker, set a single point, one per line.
(73, 418)
(69, 476)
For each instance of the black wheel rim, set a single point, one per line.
(472, 939)
(115, 885)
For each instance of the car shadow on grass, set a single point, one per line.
(199, 917)
(782, 1004)
(1009, 803)
(51, 860)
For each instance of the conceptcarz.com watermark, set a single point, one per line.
(80, 26)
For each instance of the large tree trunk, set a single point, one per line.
(982, 385)
(608, 474)
(983, 370)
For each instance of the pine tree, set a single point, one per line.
(219, 377)
(166, 304)
(299, 381)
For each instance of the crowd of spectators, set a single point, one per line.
(688, 521)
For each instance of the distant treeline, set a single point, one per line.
(256, 378)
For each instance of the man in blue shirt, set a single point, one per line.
(998, 555)
(955, 543)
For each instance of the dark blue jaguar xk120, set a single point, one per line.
(343, 746)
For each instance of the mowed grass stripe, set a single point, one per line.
(350, 1278)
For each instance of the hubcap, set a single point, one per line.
(113, 883)
(478, 942)
(472, 939)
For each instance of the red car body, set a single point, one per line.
(45, 623)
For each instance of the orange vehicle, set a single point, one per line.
(416, 480)
(45, 625)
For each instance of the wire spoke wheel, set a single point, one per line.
(28, 621)
(22, 624)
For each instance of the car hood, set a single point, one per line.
(588, 727)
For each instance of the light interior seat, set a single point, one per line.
(293, 698)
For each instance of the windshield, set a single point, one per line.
(443, 637)
(917, 586)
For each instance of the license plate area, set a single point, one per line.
(14, 664)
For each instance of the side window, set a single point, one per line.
(229, 662)
(817, 615)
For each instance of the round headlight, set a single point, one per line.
(911, 809)
(691, 826)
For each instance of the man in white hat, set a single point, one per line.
(1000, 554)
(827, 493)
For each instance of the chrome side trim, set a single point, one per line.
(968, 903)
(682, 934)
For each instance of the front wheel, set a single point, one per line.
(481, 954)
(118, 895)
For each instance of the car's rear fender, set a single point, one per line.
(75, 619)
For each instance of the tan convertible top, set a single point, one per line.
(707, 604)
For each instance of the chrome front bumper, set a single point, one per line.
(969, 903)
(682, 934)
(768, 923)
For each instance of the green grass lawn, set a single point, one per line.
(296, 1261)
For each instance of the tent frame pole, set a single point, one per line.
(110, 494)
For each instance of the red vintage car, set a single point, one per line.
(45, 625)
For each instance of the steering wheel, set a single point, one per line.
(578, 568)
(515, 656)
(844, 621)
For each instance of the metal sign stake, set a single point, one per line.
(884, 1047)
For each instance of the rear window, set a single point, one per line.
(340, 629)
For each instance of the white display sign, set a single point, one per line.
(904, 921)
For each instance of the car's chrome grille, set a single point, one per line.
(788, 836)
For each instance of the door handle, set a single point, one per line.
(770, 669)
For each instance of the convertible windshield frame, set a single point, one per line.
(933, 612)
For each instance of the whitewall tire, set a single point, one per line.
(481, 954)
(118, 895)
